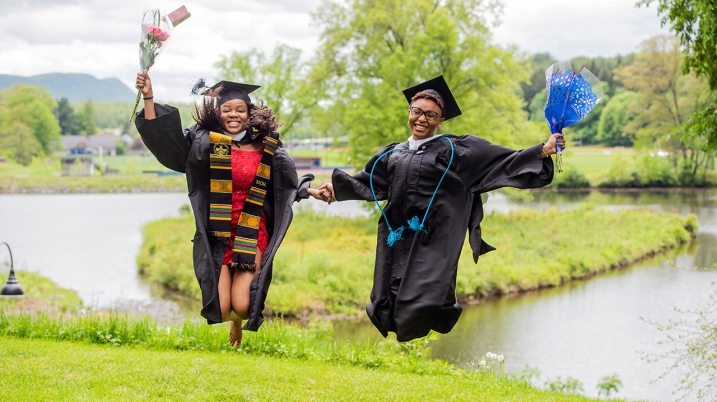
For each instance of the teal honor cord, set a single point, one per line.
(414, 223)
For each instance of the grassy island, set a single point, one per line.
(325, 264)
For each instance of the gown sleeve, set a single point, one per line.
(164, 136)
(357, 187)
(485, 167)
(303, 189)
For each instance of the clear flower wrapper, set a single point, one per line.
(156, 29)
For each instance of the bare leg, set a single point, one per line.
(240, 285)
(240, 289)
(225, 304)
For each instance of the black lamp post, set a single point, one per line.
(12, 288)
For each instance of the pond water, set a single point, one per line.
(585, 330)
(593, 328)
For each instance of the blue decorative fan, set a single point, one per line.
(570, 98)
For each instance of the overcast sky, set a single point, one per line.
(99, 37)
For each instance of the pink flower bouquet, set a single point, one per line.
(156, 29)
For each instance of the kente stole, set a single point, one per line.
(220, 199)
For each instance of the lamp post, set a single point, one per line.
(12, 288)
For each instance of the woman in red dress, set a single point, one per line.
(241, 286)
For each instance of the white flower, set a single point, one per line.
(482, 363)
(491, 355)
(501, 358)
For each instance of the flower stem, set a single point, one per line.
(136, 103)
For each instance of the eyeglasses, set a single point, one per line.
(430, 114)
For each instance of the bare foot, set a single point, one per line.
(235, 333)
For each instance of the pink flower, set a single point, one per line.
(155, 31)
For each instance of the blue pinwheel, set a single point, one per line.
(570, 98)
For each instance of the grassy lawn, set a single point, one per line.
(595, 161)
(41, 370)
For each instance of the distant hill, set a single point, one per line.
(75, 87)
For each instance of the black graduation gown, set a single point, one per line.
(187, 151)
(415, 280)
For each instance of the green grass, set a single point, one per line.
(329, 157)
(43, 370)
(325, 264)
(595, 161)
(113, 357)
(41, 294)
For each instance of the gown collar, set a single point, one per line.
(237, 137)
(414, 144)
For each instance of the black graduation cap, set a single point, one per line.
(438, 87)
(235, 90)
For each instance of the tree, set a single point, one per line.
(695, 22)
(66, 117)
(33, 107)
(618, 113)
(668, 100)
(539, 62)
(373, 49)
(289, 86)
(86, 118)
(18, 142)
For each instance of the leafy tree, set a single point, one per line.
(18, 142)
(371, 50)
(668, 100)
(289, 86)
(617, 113)
(695, 22)
(86, 118)
(539, 62)
(66, 117)
(33, 107)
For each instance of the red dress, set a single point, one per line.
(244, 166)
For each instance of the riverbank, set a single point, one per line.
(47, 357)
(325, 265)
(93, 184)
(41, 294)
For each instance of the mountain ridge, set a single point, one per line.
(76, 87)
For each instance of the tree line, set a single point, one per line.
(370, 50)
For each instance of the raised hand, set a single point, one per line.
(550, 146)
(144, 83)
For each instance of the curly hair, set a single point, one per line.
(261, 118)
(429, 96)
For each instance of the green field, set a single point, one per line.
(112, 357)
(37, 370)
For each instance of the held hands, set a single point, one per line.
(322, 193)
(144, 83)
(325, 193)
(550, 146)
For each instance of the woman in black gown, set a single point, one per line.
(234, 162)
(433, 185)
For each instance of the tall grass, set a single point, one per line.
(325, 264)
(275, 339)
